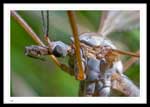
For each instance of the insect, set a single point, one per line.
(93, 59)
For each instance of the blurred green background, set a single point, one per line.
(33, 77)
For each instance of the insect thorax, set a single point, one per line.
(96, 55)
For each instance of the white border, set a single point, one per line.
(143, 30)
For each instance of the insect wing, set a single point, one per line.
(112, 21)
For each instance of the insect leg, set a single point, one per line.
(82, 87)
(103, 88)
(77, 44)
(90, 88)
(76, 69)
(131, 61)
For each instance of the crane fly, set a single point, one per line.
(93, 59)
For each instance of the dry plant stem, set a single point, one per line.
(29, 30)
(125, 85)
(131, 61)
(77, 44)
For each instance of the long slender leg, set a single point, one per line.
(131, 61)
(82, 88)
(77, 44)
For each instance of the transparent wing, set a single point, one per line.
(112, 21)
(82, 29)
(82, 23)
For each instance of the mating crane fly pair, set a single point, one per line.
(93, 59)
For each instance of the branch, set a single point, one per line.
(123, 84)
(31, 33)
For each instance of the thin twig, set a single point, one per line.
(31, 33)
(131, 61)
(77, 44)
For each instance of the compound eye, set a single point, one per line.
(58, 51)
